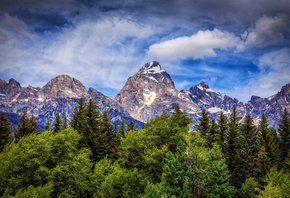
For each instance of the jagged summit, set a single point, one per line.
(152, 68)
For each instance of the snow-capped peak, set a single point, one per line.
(153, 67)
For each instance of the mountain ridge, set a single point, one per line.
(145, 95)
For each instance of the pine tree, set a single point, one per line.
(78, 120)
(232, 149)
(107, 130)
(268, 141)
(131, 125)
(222, 131)
(174, 176)
(213, 133)
(249, 148)
(116, 141)
(263, 163)
(22, 128)
(203, 126)
(33, 125)
(284, 132)
(217, 175)
(57, 123)
(88, 124)
(122, 128)
(47, 125)
(64, 124)
(5, 131)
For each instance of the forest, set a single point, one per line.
(89, 156)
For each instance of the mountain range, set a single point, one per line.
(145, 95)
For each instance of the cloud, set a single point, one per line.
(199, 45)
(99, 53)
(181, 85)
(274, 73)
(266, 30)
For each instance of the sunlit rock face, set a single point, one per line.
(61, 94)
(150, 92)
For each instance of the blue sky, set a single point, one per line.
(239, 48)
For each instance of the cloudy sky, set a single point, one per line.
(239, 48)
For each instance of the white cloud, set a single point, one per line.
(199, 45)
(99, 53)
(181, 85)
(275, 72)
(266, 30)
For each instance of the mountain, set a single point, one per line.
(214, 103)
(150, 92)
(61, 94)
(147, 94)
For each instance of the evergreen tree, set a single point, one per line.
(89, 122)
(107, 131)
(22, 128)
(249, 148)
(217, 175)
(57, 123)
(64, 124)
(116, 141)
(232, 151)
(203, 126)
(131, 125)
(175, 175)
(5, 131)
(213, 133)
(122, 129)
(268, 142)
(33, 125)
(263, 163)
(284, 132)
(47, 125)
(222, 131)
(78, 121)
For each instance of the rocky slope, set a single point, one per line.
(145, 95)
(214, 103)
(150, 92)
(61, 94)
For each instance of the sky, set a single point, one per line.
(239, 48)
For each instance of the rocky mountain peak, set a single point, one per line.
(145, 91)
(64, 86)
(152, 68)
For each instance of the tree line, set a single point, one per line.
(89, 156)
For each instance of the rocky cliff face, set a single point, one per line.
(150, 92)
(145, 95)
(213, 102)
(61, 94)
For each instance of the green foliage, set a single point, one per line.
(5, 131)
(222, 131)
(250, 188)
(249, 148)
(107, 135)
(270, 191)
(279, 180)
(131, 125)
(175, 175)
(114, 181)
(64, 124)
(213, 134)
(203, 126)
(22, 128)
(33, 125)
(232, 149)
(33, 192)
(284, 132)
(57, 123)
(217, 175)
(40, 159)
(122, 128)
(47, 125)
